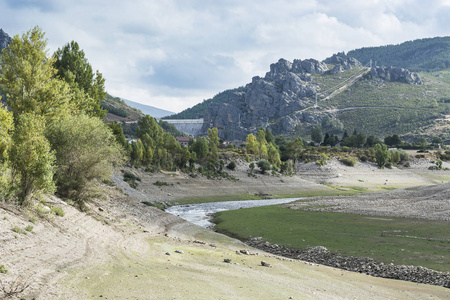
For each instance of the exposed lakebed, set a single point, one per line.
(200, 214)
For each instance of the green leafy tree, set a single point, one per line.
(74, 68)
(6, 129)
(28, 78)
(86, 150)
(200, 148)
(251, 144)
(316, 134)
(382, 155)
(269, 137)
(137, 153)
(294, 149)
(31, 158)
(273, 155)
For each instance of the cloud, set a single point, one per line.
(175, 53)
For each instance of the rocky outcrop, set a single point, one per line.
(273, 102)
(395, 75)
(366, 265)
(342, 63)
(4, 39)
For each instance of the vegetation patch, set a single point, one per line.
(403, 241)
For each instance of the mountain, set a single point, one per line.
(431, 54)
(381, 100)
(149, 110)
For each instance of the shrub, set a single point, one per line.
(162, 183)
(3, 270)
(348, 161)
(263, 165)
(232, 165)
(58, 211)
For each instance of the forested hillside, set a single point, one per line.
(431, 54)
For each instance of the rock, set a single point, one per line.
(167, 253)
(395, 75)
(179, 251)
(227, 260)
(264, 264)
(100, 209)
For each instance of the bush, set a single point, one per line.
(58, 211)
(348, 161)
(263, 165)
(232, 165)
(3, 270)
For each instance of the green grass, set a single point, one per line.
(403, 241)
(335, 191)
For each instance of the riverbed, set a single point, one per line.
(200, 214)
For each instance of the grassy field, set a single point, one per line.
(336, 191)
(386, 239)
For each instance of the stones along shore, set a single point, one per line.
(365, 265)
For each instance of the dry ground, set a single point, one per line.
(118, 250)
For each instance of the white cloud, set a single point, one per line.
(174, 53)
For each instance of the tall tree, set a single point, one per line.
(6, 129)
(382, 155)
(251, 144)
(75, 69)
(31, 158)
(28, 78)
(86, 149)
(316, 134)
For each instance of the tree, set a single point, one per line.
(263, 165)
(31, 158)
(294, 148)
(74, 68)
(28, 78)
(86, 150)
(392, 140)
(269, 137)
(6, 129)
(251, 144)
(372, 141)
(382, 155)
(200, 148)
(316, 134)
(273, 155)
(213, 139)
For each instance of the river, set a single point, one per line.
(200, 214)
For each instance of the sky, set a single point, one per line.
(173, 54)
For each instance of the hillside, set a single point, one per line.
(149, 110)
(119, 111)
(431, 54)
(378, 101)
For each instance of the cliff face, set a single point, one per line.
(275, 101)
(279, 101)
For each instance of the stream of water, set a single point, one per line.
(200, 214)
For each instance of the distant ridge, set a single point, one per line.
(149, 110)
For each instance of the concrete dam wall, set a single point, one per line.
(189, 126)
